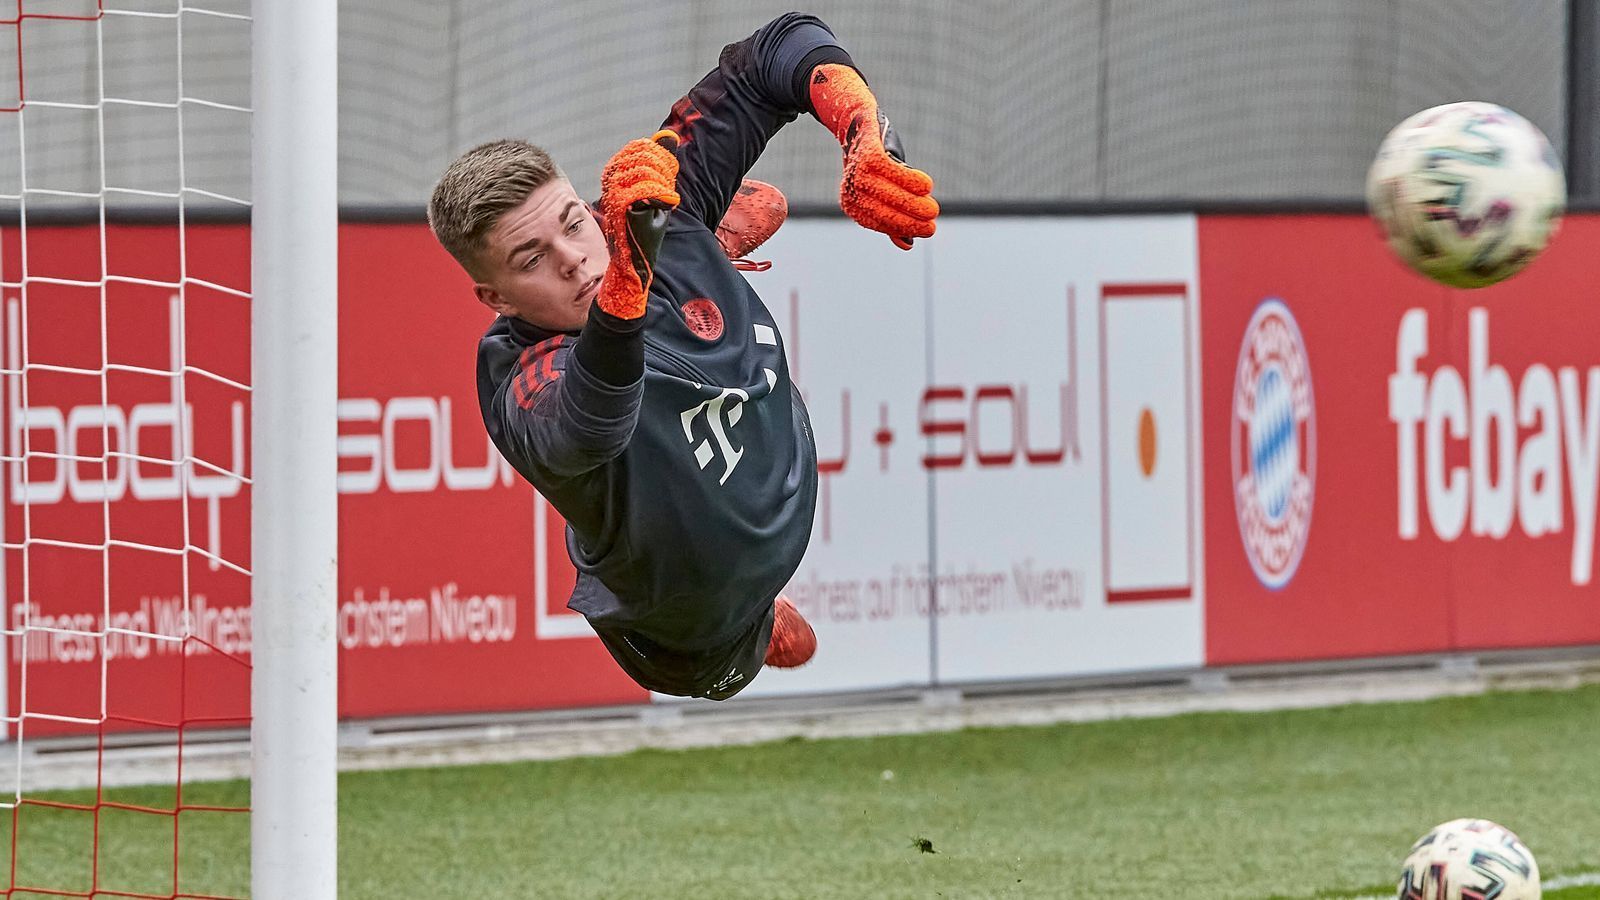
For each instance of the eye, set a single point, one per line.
(532, 261)
(576, 224)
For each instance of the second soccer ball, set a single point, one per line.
(1469, 859)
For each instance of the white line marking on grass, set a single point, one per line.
(1582, 879)
(1585, 879)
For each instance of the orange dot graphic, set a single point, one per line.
(1147, 441)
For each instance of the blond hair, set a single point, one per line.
(478, 188)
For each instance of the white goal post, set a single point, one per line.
(294, 261)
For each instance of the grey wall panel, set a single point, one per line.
(1031, 100)
(398, 98)
(1238, 99)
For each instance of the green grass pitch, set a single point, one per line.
(1294, 804)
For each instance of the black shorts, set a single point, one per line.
(715, 674)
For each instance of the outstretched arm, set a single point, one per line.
(724, 122)
(793, 65)
(878, 190)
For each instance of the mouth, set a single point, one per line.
(588, 290)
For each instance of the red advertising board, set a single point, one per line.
(437, 584)
(1388, 466)
(92, 545)
(1393, 466)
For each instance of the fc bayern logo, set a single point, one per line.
(1274, 437)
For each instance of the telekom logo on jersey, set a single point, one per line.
(715, 409)
(1502, 482)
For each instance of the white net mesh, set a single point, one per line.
(126, 384)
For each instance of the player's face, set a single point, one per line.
(543, 259)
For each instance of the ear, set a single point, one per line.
(491, 298)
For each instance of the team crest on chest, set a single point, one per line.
(703, 318)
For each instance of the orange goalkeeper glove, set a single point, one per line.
(879, 190)
(638, 190)
(755, 214)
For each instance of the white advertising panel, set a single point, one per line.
(1013, 438)
(1053, 339)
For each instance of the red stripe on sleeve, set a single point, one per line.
(536, 369)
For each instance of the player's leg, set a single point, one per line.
(715, 673)
(650, 665)
(781, 638)
(793, 642)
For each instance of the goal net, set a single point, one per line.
(126, 322)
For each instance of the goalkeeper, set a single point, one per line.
(635, 378)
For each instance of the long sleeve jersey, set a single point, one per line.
(675, 445)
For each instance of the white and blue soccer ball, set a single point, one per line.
(1467, 193)
(1469, 859)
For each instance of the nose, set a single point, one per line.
(572, 257)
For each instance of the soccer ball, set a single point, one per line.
(1467, 193)
(1469, 859)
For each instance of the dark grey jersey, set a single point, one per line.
(687, 476)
